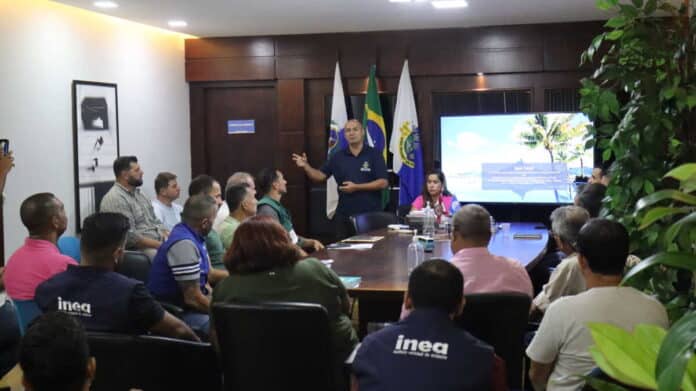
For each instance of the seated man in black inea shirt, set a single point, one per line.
(100, 298)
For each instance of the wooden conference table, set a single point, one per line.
(385, 276)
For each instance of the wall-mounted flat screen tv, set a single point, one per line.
(515, 158)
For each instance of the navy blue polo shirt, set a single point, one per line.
(425, 351)
(101, 299)
(368, 166)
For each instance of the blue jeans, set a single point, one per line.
(198, 322)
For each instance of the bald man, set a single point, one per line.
(237, 178)
(38, 259)
(360, 173)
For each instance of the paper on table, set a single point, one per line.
(354, 246)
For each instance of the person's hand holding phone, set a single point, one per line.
(6, 163)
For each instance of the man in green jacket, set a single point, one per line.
(272, 185)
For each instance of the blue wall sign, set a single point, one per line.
(241, 126)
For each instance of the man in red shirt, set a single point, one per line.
(38, 259)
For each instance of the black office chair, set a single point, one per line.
(402, 211)
(135, 264)
(500, 319)
(370, 221)
(273, 345)
(152, 363)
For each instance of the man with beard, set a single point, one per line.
(146, 233)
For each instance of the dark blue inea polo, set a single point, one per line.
(366, 167)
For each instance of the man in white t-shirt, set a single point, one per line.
(559, 351)
(167, 190)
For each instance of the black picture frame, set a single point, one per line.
(95, 143)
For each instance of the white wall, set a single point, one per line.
(44, 46)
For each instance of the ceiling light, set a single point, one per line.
(177, 23)
(105, 4)
(479, 73)
(448, 4)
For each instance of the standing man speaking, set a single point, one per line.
(360, 173)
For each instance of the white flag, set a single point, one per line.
(405, 142)
(339, 117)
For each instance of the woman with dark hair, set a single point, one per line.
(265, 266)
(435, 192)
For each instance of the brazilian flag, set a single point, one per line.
(373, 123)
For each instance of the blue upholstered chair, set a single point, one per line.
(70, 246)
(26, 311)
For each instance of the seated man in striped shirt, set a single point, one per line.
(179, 273)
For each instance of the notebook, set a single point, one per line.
(363, 239)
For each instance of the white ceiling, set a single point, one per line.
(214, 18)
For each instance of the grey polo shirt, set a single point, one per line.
(138, 209)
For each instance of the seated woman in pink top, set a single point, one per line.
(435, 192)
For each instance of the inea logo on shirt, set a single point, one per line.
(74, 307)
(365, 167)
(414, 347)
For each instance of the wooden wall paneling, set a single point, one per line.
(306, 67)
(238, 68)
(198, 119)
(229, 47)
(501, 37)
(316, 132)
(357, 52)
(291, 139)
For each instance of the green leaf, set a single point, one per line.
(614, 35)
(691, 101)
(606, 4)
(606, 155)
(638, 3)
(603, 364)
(616, 22)
(683, 172)
(632, 364)
(667, 194)
(648, 187)
(659, 212)
(676, 351)
(673, 231)
(650, 336)
(668, 92)
(674, 259)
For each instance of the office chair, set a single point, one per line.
(500, 320)
(135, 264)
(152, 363)
(70, 246)
(26, 311)
(370, 221)
(273, 345)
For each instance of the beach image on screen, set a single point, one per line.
(515, 158)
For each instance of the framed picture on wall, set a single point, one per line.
(95, 143)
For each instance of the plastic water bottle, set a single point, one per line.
(429, 222)
(415, 254)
